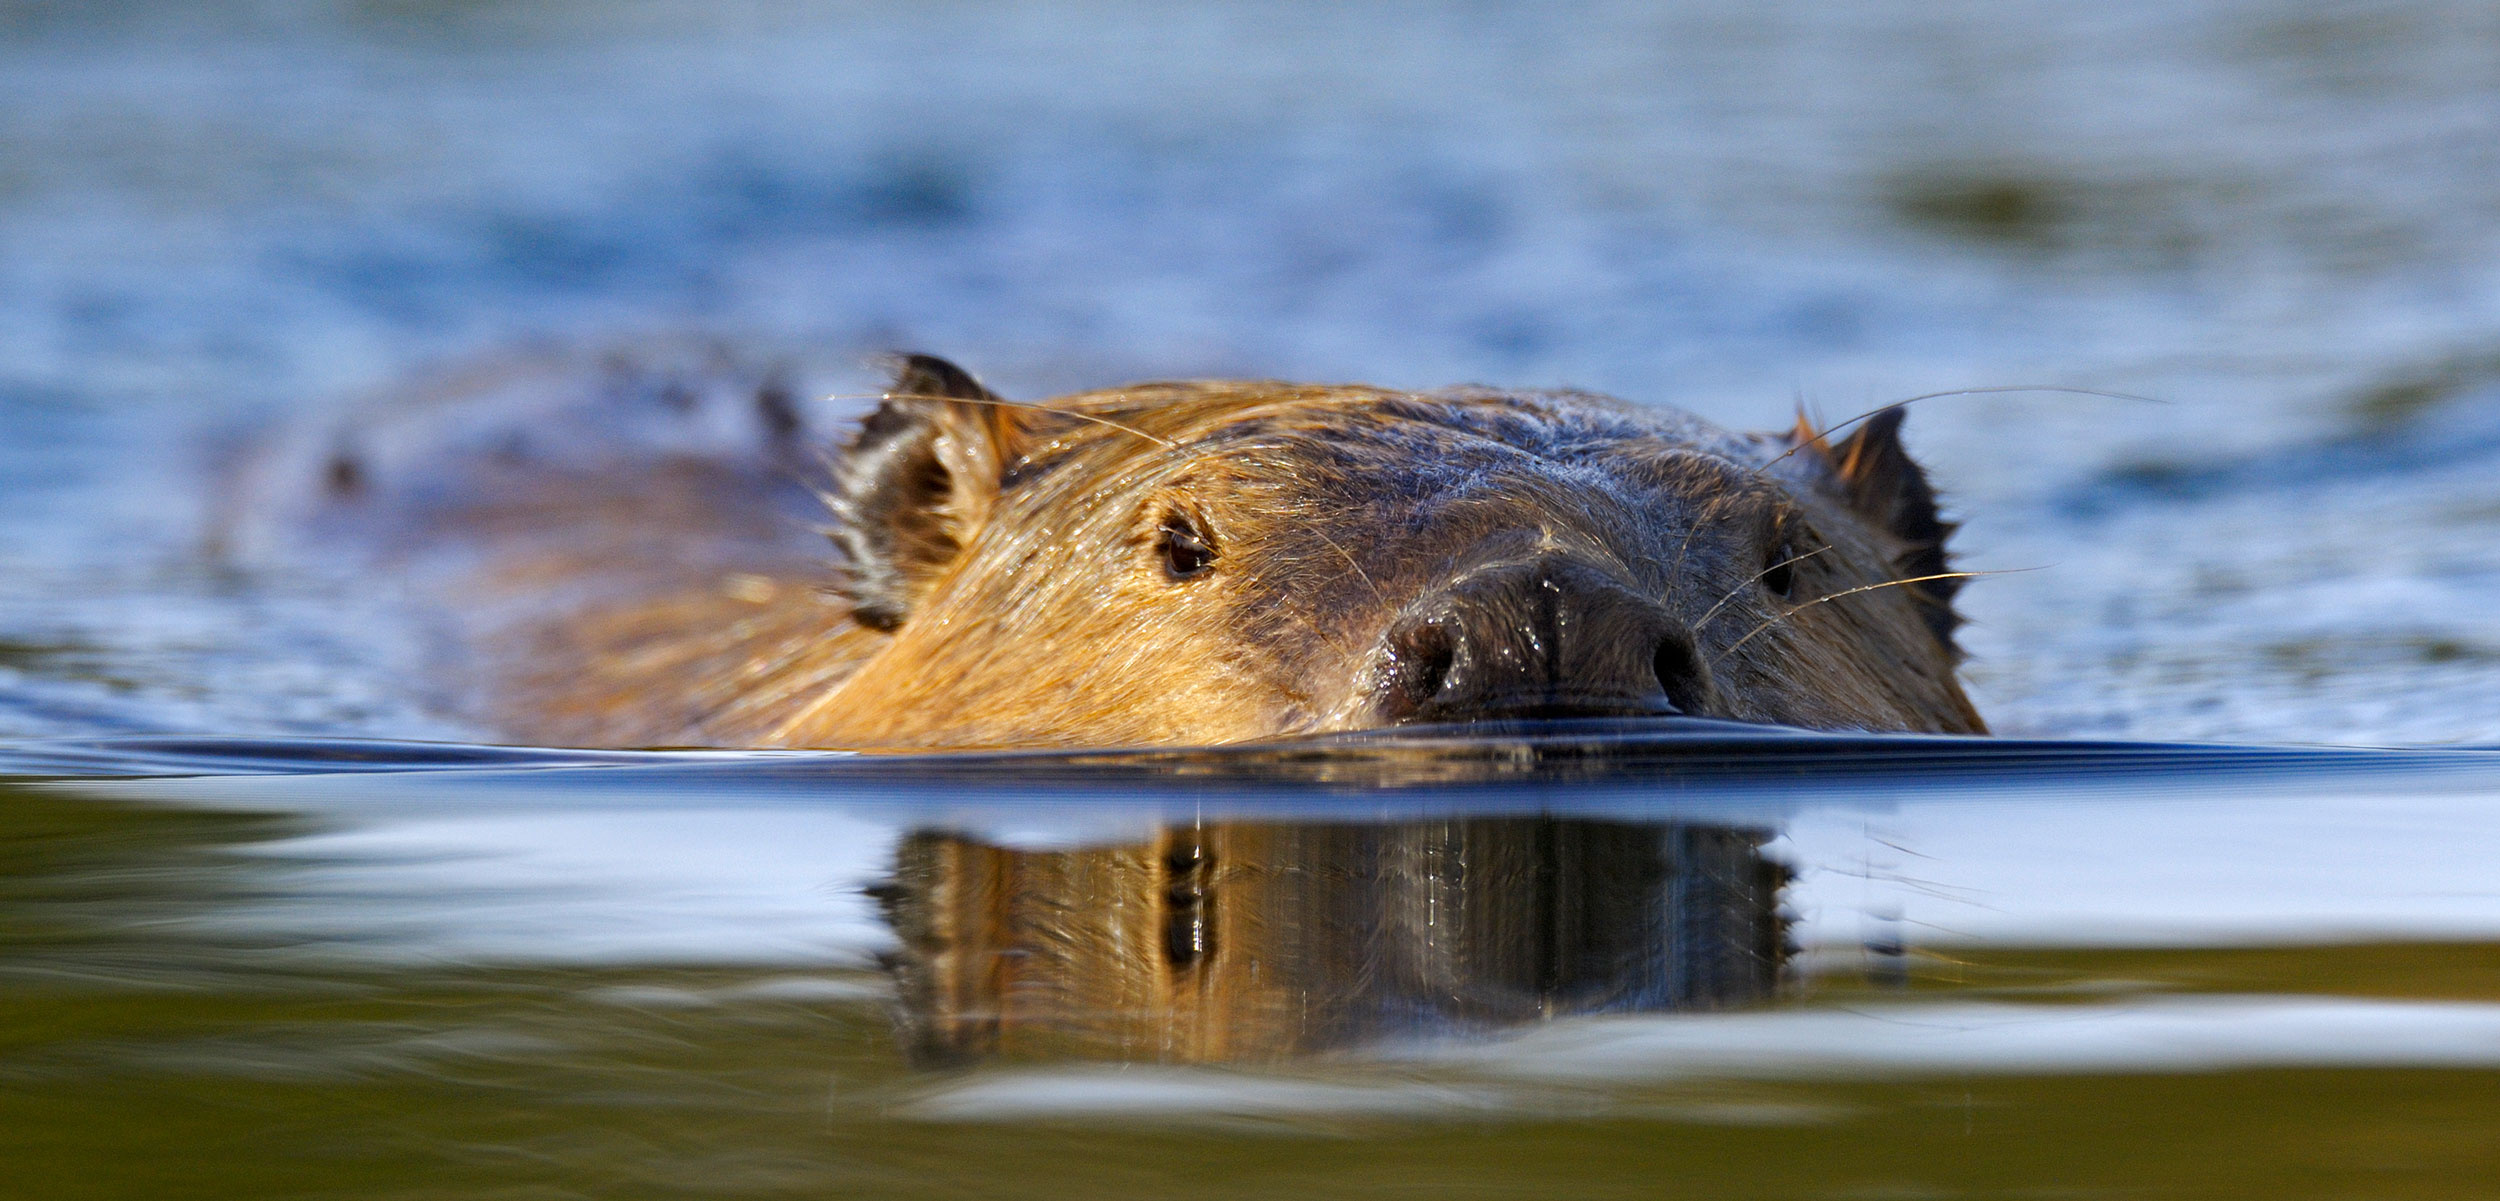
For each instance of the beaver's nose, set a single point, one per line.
(1543, 638)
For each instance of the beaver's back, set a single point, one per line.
(601, 547)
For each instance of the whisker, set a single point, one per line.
(1826, 432)
(1693, 529)
(1350, 561)
(1076, 414)
(1916, 579)
(1713, 611)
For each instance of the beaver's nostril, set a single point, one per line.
(1425, 667)
(1677, 664)
(1426, 653)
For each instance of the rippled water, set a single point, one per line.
(2275, 218)
(1521, 962)
(243, 953)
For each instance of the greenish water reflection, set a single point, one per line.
(146, 1053)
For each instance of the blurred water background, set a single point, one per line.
(2278, 218)
(2281, 221)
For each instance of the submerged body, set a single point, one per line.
(1192, 562)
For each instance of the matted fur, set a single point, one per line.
(1000, 581)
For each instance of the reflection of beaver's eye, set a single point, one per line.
(1186, 549)
(1779, 569)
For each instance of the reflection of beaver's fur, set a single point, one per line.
(1196, 563)
(1257, 940)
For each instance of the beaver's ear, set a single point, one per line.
(916, 484)
(1880, 480)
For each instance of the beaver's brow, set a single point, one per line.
(1671, 466)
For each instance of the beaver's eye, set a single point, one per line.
(1186, 549)
(1779, 568)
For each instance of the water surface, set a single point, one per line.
(2276, 219)
(253, 942)
(1602, 957)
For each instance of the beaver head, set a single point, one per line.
(1219, 561)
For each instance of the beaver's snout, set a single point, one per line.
(1547, 637)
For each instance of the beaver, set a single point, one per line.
(1263, 940)
(1194, 562)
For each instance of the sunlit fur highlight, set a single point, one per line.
(672, 596)
(1332, 507)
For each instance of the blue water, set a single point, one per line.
(2275, 219)
(2165, 938)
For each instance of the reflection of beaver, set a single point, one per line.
(1194, 563)
(1255, 940)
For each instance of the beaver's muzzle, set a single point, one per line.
(1544, 637)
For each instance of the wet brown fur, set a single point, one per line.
(1023, 601)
